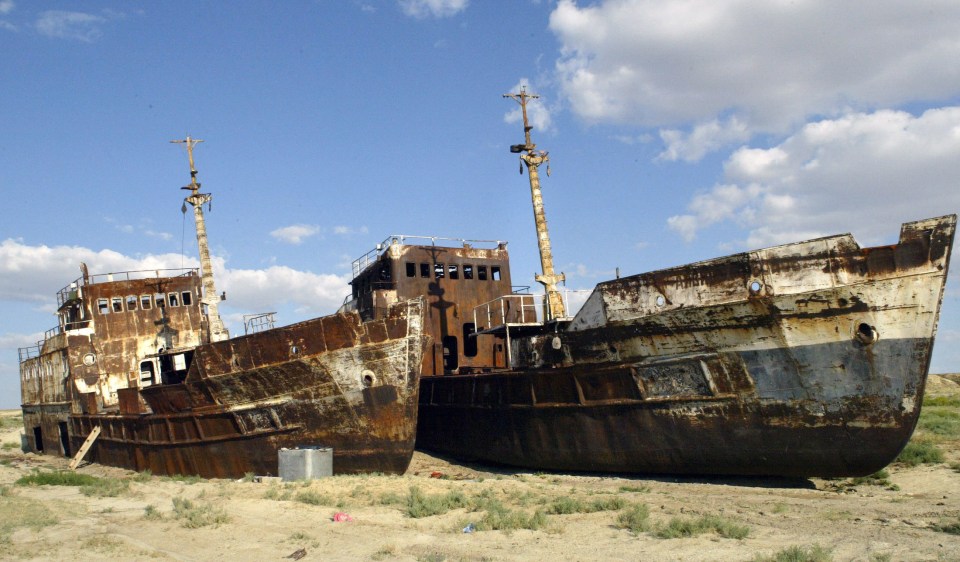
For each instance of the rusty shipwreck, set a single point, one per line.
(805, 359)
(141, 371)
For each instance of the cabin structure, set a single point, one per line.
(464, 283)
(116, 333)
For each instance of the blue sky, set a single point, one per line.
(677, 131)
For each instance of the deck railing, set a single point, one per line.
(363, 262)
(70, 292)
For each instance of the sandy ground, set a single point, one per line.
(896, 520)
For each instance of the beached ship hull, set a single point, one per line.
(807, 359)
(333, 382)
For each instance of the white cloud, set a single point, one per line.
(33, 274)
(261, 290)
(769, 65)
(863, 172)
(421, 9)
(36, 273)
(704, 138)
(295, 234)
(346, 230)
(538, 114)
(6, 6)
(70, 25)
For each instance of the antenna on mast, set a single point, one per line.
(533, 158)
(211, 299)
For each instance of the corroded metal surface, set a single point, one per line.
(334, 381)
(804, 359)
(146, 358)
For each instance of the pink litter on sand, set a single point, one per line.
(341, 516)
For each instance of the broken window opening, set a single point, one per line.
(425, 270)
(131, 302)
(160, 300)
(411, 269)
(186, 298)
(482, 272)
(145, 302)
(147, 371)
(173, 299)
(103, 306)
(438, 270)
(495, 272)
(64, 438)
(454, 271)
(467, 271)
(117, 303)
(469, 340)
(451, 357)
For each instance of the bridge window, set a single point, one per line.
(495, 272)
(173, 299)
(117, 303)
(160, 299)
(424, 270)
(131, 302)
(145, 302)
(438, 270)
(103, 306)
(453, 271)
(411, 269)
(187, 299)
(467, 271)
(482, 272)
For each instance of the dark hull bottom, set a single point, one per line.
(724, 439)
(235, 458)
(374, 434)
(822, 410)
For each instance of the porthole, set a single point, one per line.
(294, 350)
(660, 301)
(755, 287)
(866, 334)
(368, 378)
(89, 359)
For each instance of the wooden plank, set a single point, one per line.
(85, 447)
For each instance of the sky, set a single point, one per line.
(677, 131)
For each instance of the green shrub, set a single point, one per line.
(920, 452)
(948, 401)
(56, 478)
(151, 513)
(567, 505)
(635, 518)
(106, 487)
(422, 505)
(642, 489)
(815, 553)
(504, 519)
(194, 515)
(314, 498)
(941, 422)
(680, 528)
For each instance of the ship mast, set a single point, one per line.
(210, 297)
(533, 158)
